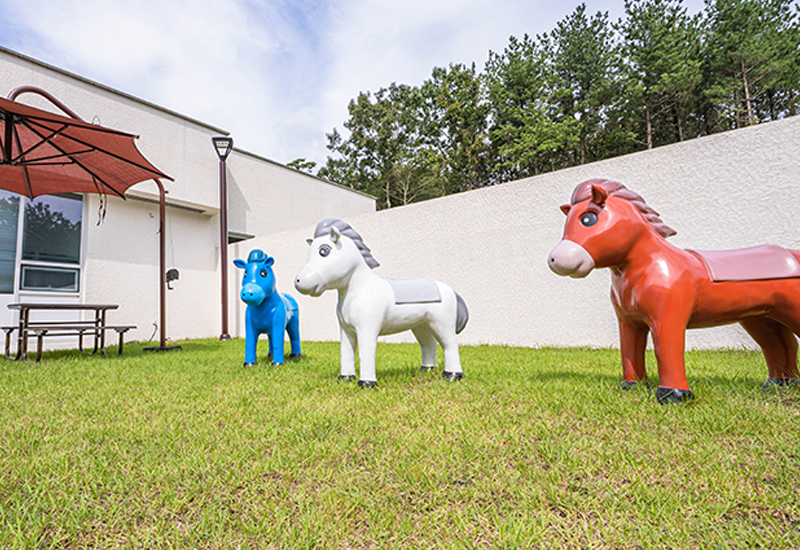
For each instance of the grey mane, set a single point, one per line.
(344, 228)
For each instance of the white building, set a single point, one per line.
(116, 259)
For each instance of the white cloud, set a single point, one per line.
(199, 58)
(277, 74)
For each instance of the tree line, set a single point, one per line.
(588, 90)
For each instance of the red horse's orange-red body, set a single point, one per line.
(661, 289)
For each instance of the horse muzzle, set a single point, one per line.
(252, 294)
(308, 281)
(569, 258)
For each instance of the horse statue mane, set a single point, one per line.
(584, 191)
(344, 228)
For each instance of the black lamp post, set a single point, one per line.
(223, 146)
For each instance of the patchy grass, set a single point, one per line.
(535, 448)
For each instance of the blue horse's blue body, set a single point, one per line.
(268, 311)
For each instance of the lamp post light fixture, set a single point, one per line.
(223, 147)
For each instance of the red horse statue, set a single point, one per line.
(658, 288)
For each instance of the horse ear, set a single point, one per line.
(565, 209)
(335, 234)
(599, 195)
(240, 263)
(269, 261)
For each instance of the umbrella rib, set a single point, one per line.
(39, 162)
(43, 139)
(24, 168)
(97, 178)
(27, 181)
(81, 165)
(9, 124)
(44, 161)
(105, 152)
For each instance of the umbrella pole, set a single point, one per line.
(45, 94)
(162, 271)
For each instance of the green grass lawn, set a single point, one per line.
(535, 448)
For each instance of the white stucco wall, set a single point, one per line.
(265, 197)
(737, 189)
(121, 254)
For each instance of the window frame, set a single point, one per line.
(50, 267)
(21, 263)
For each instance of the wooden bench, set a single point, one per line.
(67, 328)
(95, 327)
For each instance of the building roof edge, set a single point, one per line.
(109, 89)
(323, 180)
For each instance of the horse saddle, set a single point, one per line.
(749, 264)
(415, 291)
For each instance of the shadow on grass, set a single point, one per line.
(76, 354)
(201, 345)
(572, 376)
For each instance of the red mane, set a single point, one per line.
(584, 192)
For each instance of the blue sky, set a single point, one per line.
(277, 74)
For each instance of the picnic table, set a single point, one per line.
(27, 327)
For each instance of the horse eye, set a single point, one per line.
(324, 250)
(589, 219)
(263, 272)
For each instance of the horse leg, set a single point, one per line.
(276, 341)
(779, 346)
(452, 360)
(427, 343)
(293, 330)
(367, 346)
(271, 346)
(633, 341)
(250, 344)
(347, 354)
(669, 340)
(292, 325)
(787, 314)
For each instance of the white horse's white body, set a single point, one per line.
(367, 308)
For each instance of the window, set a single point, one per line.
(9, 214)
(51, 235)
(49, 278)
(53, 229)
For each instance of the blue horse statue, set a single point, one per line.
(268, 311)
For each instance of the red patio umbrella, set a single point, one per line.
(45, 153)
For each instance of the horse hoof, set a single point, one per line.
(346, 378)
(274, 364)
(427, 368)
(452, 376)
(625, 385)
(772, 383)
(668, 396)
(249, 364)
(367, 384)
(295, 356)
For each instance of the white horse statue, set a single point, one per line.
(370, 305)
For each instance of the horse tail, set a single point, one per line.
(462, 313)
